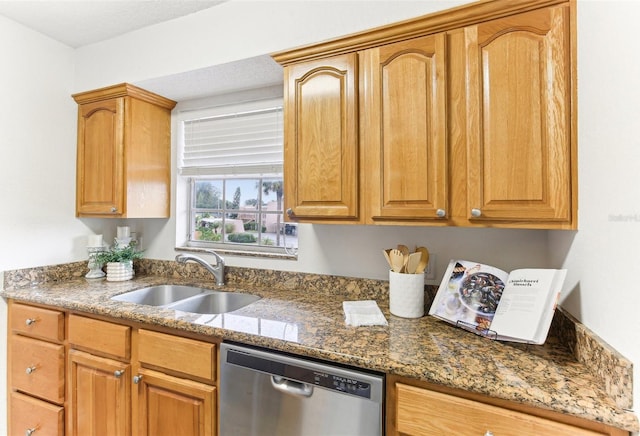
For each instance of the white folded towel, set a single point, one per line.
(365, 312)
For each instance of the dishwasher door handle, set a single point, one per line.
(291, 386)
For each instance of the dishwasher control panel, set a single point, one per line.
(302, 372)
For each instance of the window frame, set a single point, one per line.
(185, 187)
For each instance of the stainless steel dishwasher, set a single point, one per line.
(264, 393)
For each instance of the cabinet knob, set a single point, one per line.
(30, 431)
(137, 379)
(476, 213)
(30, 370)
(488, 433)
(441, 213)
(290, 212)
(114, 209)
(118, 373)
(30, 321)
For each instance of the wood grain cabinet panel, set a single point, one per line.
(29, 415)
(519, 135)
(124, 153)
(174, 406)
(37, 322)
(37, 368)
(423, 412)
(404, 130)
(100, 395)
(321, 139)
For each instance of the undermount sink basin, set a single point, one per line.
(188, 298)
(159, 295)
(215, 302)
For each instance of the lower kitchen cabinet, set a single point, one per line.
(122, 380)
(100, 392)
(415, 410)
(36, 362)
(170, 405)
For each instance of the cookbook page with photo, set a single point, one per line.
(469, 293)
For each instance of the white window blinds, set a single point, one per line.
(246, 141)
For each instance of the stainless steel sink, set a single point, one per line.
(215, 302)
(159, 295)
(188, 298)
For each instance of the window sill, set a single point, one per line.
(240, 253)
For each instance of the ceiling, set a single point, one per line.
(79, 23)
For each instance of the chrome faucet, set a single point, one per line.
(217, 271)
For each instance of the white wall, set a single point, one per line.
(37, 159)
(603, 257)
(38, 227)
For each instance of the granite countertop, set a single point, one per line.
(309, 321)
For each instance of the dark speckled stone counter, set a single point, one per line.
(302, 314)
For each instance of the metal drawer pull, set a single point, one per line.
(476, 213)
(30, 431)
(31, 369)
(441, 213)
(30, 321)
(488, 433)
(137, 379)
(118, 373)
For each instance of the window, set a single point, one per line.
(231, 161)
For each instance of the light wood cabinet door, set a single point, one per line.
(518, 119)
(100, 395)
(171, 406)
(100, 158)
(321, 139)
(404, 130)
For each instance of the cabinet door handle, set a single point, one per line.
(137, 379)
(30, 431)
(118, 373)
(31, 370)
(290, 212)
(30, 321)
(488, 433)
(476, 213)
(441, 213)
(114, 209)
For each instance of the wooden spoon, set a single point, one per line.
(424, 259)
(386, 256)
(397, 260)
(413, 262)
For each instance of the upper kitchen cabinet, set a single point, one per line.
(124, 153)
(465, 117)
(519, 148)
(404, 130)
(321, 139)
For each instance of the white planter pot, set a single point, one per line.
(119, 271)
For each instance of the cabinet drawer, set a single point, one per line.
(174, 353)
(100, 336)
(423, 412)
(37, 368)
(28, 413)
(35, 321)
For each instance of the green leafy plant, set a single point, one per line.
(119, 254)
(243, 238)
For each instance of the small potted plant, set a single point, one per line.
(119, 261)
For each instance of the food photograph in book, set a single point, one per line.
(472, 294)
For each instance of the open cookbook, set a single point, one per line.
(516, 306)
